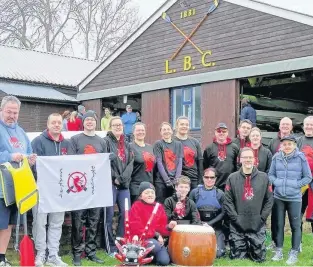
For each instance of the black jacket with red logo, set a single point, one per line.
(223, 158)
(248, 200)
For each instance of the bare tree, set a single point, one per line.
(53, 17)
(104, 25)
(15, 22)
(55, 25)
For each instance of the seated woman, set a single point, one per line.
(139, 215)
(180, 208)
(209, 202)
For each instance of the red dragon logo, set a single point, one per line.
(189, 156)
(89, 149)
(170, 158)
(149, 160)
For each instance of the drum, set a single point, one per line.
(192, 245)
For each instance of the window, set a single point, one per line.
(187, 102)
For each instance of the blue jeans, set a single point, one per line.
(119, 198)
(160, 253)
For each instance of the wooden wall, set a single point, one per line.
(219, 104)
(95, 105)
(155, 108)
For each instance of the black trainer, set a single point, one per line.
(77, 261)
(95, 259)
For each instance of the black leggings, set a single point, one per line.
(294, 215)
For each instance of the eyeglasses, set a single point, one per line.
(247, 157)
(117, 125)
(209, 177)
(221, 131)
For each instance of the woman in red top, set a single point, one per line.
(139, 215)
(74, 123)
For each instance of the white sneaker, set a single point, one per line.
(293, 257)
(40, 260)
(278, 255)
(5, 263)
(55, 261)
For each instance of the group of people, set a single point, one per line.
(72, 120)
(232, 186)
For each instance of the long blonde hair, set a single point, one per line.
(73, 116)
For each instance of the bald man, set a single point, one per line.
(285, 129)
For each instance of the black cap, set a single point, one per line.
(145, 185)
(221, 125)
(289, 138)
(91, 114)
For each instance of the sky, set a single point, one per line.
(147, 7)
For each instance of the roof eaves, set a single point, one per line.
(39, 82)
(49, 53)
(127, 43)
(274, 10)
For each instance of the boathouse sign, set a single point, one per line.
(187, 60)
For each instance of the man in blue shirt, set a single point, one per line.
(129, 119)
(14, 145)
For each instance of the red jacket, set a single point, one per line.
(139, 215)
(75, 125)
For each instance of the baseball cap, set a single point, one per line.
(289, 138)
(221, 125)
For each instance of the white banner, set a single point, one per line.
(67, 183)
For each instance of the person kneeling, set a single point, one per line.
(139, 215)
(248, 202)
(209, 202)
(179, 207)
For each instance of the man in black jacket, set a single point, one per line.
(50, 143)
(248, 203)
(221, 155)
(244, 129)
(180, 208)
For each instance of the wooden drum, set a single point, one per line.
(192, 245)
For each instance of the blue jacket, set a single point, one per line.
(248, 113)
(13, 139)
(129, 119)
(288, 174)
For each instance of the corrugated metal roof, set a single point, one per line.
(41, 67)
(34, 91)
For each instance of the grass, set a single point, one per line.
(305, 258)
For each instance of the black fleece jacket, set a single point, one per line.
(120, 170)
(248, 215)
(192, 214)
(224, 167)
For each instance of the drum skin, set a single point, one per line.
(192, 245)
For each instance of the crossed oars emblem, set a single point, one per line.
(166, 17)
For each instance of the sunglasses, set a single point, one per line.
(221, 131)
(209, 177)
